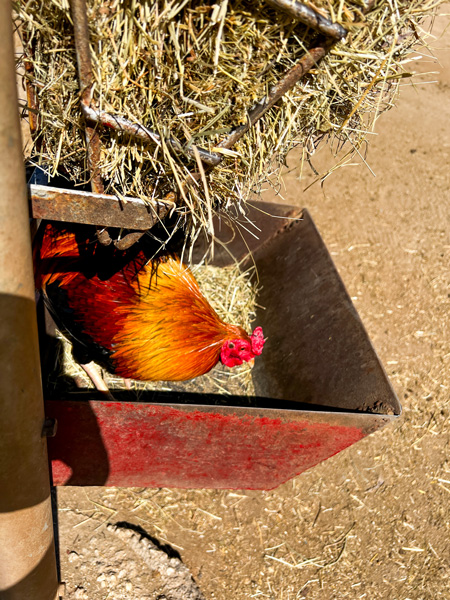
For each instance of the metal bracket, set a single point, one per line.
(50, 427)
(76, 206)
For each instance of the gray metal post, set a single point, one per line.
(27, 553)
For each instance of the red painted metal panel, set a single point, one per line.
(137, 444)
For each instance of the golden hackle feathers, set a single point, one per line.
(184, 333)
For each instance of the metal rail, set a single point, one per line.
(287, 82)
(84, 64)
(27, 552)
(310, 17)
(138, 131)
(75, 206)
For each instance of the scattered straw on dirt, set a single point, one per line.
(191, 71)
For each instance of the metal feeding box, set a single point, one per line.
(319, 387)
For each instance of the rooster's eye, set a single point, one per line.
(231, 345)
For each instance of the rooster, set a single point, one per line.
(139, 317)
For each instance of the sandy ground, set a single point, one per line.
(374, 521)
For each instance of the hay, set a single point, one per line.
(232, 294)
(190, 71)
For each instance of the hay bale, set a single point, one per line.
(191, 70)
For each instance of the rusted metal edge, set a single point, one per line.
(368, 6)
(32, 101)
(55, 204)
(84, 63)
(307, 15)
(287, 82)
(139, 131)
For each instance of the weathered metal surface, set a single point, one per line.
(32, 101)
(96, 209)
(310, 17)
(137, 130)
(151, 445)
(84, 64)
(27, 554)
(85, 78)
(320, 387)
(243, 235)
(317, 349)
(287, 82)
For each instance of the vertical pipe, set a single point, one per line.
(84, 64)
(27, 553)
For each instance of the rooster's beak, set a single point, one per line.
(251, 362)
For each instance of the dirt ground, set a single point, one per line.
(374, 521)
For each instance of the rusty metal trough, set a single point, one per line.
(319, 383)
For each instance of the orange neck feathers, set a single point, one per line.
(170, 332)
(147, 316)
